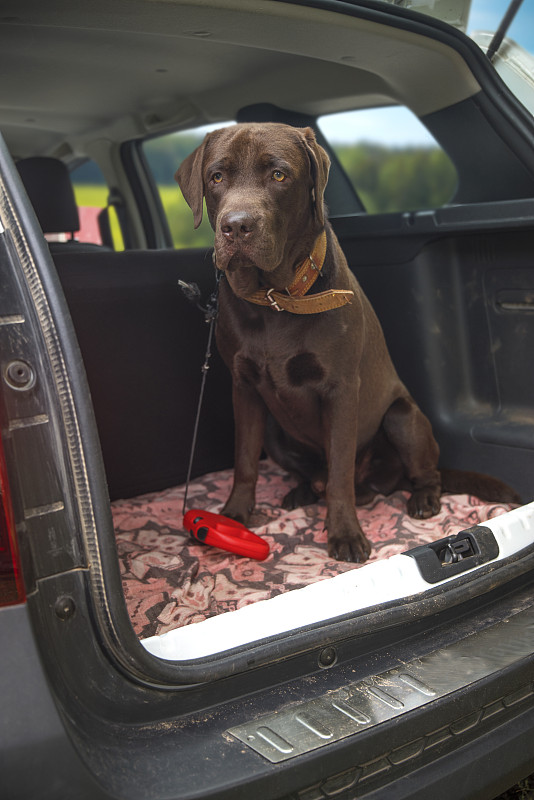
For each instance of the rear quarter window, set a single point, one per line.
(392, 161)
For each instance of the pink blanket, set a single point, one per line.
(170, 580)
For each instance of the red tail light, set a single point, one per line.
(11, 584)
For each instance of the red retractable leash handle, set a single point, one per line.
(225, 533)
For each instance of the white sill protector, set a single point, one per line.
(394, 578)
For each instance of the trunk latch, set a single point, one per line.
(455, 554)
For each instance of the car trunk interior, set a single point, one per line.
(143, 346)
(452, 287)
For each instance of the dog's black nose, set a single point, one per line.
(237, 224)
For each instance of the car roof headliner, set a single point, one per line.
(78, 71)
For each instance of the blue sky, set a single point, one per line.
(378, 125)
(486, 15)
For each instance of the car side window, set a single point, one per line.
(91, 193)
(392, 161)
(163, 155)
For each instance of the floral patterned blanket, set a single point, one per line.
(170, 580)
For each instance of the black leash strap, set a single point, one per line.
(192, 293)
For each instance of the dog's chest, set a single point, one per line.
(290, 385)
(277, 371)
(280, 364)
(277, 355)
(274, 353)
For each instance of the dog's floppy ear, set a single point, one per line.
(320, 165)
(191, 181)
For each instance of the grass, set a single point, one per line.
(88, 195)
(178, 213)
(96, 196)
(180, 219)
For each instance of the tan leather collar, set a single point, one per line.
(296, 301)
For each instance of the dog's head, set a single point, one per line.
(264, 187)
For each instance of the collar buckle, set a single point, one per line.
(272, 301)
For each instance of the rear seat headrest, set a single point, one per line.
(49, 188)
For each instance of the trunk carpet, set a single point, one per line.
(171, 580)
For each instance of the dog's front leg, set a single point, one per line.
(346, 540)
(250, 414)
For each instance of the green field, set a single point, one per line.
(95, 196)
(180, 220)
(179, 216)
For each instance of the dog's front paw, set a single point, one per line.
(301, 495)
(424, 503)
(239, 506)
(239, 514)
(350, 546)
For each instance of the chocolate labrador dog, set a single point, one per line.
(313, 381)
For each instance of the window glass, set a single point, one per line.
(164, 155)
(392, 161)
(514, 57)
(91, 193)
(486, 15)
(481, 19)
(479, 15)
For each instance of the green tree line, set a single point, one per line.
(386, 179)
(398, 179)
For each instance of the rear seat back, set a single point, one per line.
(143, 346)
(48, 185)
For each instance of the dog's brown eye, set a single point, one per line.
(217, 177)
(278, 175)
